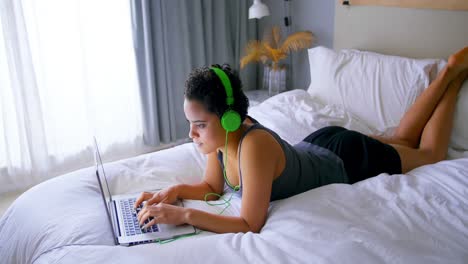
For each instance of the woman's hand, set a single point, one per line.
(168, 195)
(163, 214)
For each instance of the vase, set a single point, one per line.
(276, 80)
(266, 77)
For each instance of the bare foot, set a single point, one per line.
(459, 60)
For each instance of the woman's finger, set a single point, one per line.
(150, 223)
(156, 200)
(153, 200)
(144, 196)
(143, 218)
(142, 213)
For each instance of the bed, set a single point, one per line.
(417, 217)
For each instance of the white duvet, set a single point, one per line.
(420, 217)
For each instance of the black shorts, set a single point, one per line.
(363, 157)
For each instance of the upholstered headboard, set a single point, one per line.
(410, 32)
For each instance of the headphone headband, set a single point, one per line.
(230, 119)
(226, 84)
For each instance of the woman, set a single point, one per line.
(254, 162)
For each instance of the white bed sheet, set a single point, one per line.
(420, 217)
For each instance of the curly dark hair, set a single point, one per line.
(204, 86)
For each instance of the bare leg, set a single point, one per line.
(436, 133)
(411, 126)
(413, 122)
(423, 135)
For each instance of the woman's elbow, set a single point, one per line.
(252, 227)
(256, 230)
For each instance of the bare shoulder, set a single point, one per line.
(260, 142)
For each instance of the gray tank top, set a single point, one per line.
(307, 166)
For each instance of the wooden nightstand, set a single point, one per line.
(257, 96)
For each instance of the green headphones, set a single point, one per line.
(230, 120)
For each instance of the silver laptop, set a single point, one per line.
(123, 217)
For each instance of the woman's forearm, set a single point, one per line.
(195, 191)
(208, 221)
(216, 223)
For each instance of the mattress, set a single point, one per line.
(418, 217)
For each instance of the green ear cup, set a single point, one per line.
(231, 120)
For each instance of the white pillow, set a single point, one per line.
(376, 88)
(459, 138)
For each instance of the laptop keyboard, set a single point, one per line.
(130, 220)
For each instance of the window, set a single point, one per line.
(67, 73)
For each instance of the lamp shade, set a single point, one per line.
(258, 10)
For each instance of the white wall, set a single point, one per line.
(313, 15)
(419, 33)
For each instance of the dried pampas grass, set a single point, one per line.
(274, 49)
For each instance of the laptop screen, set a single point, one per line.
(101, 173)
(103, 185)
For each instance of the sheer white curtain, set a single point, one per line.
(67, 73)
